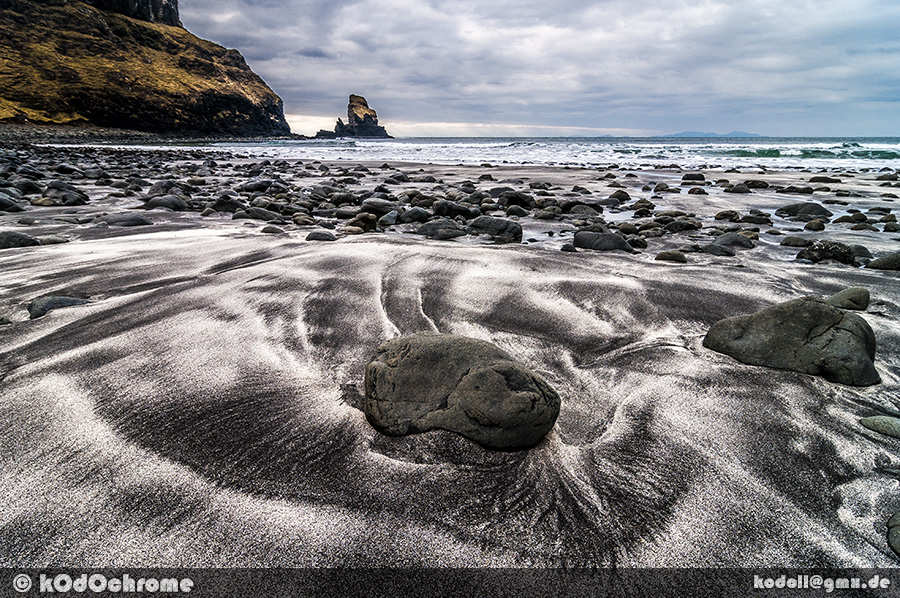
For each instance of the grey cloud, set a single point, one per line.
(313, 53)
(659, 65)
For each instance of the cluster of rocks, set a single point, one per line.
(357, 199)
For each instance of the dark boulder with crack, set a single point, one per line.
(805, 335)
(469, 386)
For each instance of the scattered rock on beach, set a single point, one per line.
(793, 241)
(171, 202)
(12, 240)
(8, 204)
(502, 230)
(883, 424)
(720, 250)
(805, 335)
(40, 306)
(415, 214)
(451, 209)
(893, 525)
(321, 235)
(739, 188)
(887, 262)
(734, 240)
(379, 207)
(815, 225)
(671, 256)
(827, 250)
(855, 298)
(440, 229)
(601, 241)
(809, 209)
(472, 387)
(63, 193)
(126, 219)
(53, 240)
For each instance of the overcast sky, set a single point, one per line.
(629, 67)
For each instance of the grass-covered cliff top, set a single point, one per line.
(70, 63)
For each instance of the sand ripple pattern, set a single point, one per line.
(212, 416)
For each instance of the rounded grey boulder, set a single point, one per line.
(805, 335)
(11, 240)
(671, 256)
(888, 262)
(734, 240)
(321, 235)
(601, 241)
(472, 387)
(856, 298)
(883, 424)
(126, 219)
(806, 208)
(503, 231)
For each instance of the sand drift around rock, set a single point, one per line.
(805, 335)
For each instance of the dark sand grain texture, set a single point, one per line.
(205, 409)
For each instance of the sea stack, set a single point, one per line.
(362, 121)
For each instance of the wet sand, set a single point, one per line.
(204, 408)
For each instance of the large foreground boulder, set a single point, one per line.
(805, 335)
(441, 381)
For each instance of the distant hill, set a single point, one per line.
(703, 134)
(126, 64)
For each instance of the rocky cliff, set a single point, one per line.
(126, 64)
(154, 11)
(362, 121)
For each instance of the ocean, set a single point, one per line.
(766, 152)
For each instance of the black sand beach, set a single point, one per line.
(203, 404)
